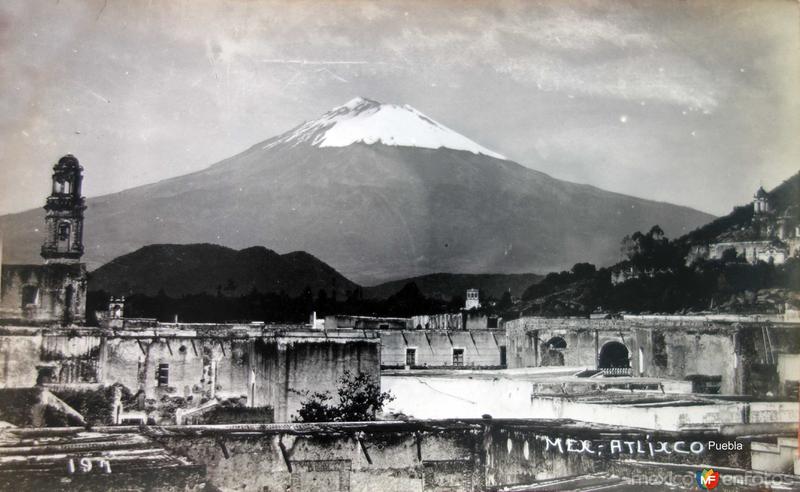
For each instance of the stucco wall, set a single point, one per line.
(422, 456)
(318, 366)
(276, 370)
(678, 354)
(258, 462)
(789, 367)
(434, 348)
(18, 359)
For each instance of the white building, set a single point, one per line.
(473, 300)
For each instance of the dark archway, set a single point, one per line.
(614, 354)
(553, 352)
(556, 343)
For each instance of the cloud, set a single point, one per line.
(568, 30)
(632, 79)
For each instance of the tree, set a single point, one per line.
(651, 251)
(505, 301)
(317, 408)
(583, 270)
(360, 399)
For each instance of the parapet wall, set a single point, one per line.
(424, 455)
(435, 348)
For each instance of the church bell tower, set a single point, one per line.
(64, 218)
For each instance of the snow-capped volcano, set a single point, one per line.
(411, 198)
(365, 121)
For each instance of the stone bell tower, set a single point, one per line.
(64, 218)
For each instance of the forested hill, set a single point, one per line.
(185, 269)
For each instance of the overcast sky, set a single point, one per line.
(696, 103)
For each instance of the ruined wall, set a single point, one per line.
(520, 453)
(444, 321)
(481, 321)
(752, 251)
(529, 341)
(724, 358)
(345, 322)
(727, 356)
(287, 371)
(758, 349)
(350, 461)
(265, 371)
(482, 348)
(789, 368)
(196, 367)
(43, 293)
(67, 359)
(425, 456)
(465, 320)
(185, 368)
(19, 356)
(684, 354)
(29, 356)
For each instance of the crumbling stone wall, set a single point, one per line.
(528, 341)
(167, 368)
(706, 355)
(425, 456)
(264, 371)
(31, 356)
(368, 460)
(69, 359)
(723, 358)
(434, 348)
(285, 372)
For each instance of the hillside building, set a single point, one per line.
(773, 235)
(761, 203)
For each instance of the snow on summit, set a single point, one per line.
(365, 121)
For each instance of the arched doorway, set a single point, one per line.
(614, 355)
(553, 352)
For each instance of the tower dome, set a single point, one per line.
(761, 201)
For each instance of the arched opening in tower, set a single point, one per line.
(64, 236)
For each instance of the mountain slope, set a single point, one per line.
(181, 269)
(373, 211)
(445, 286)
